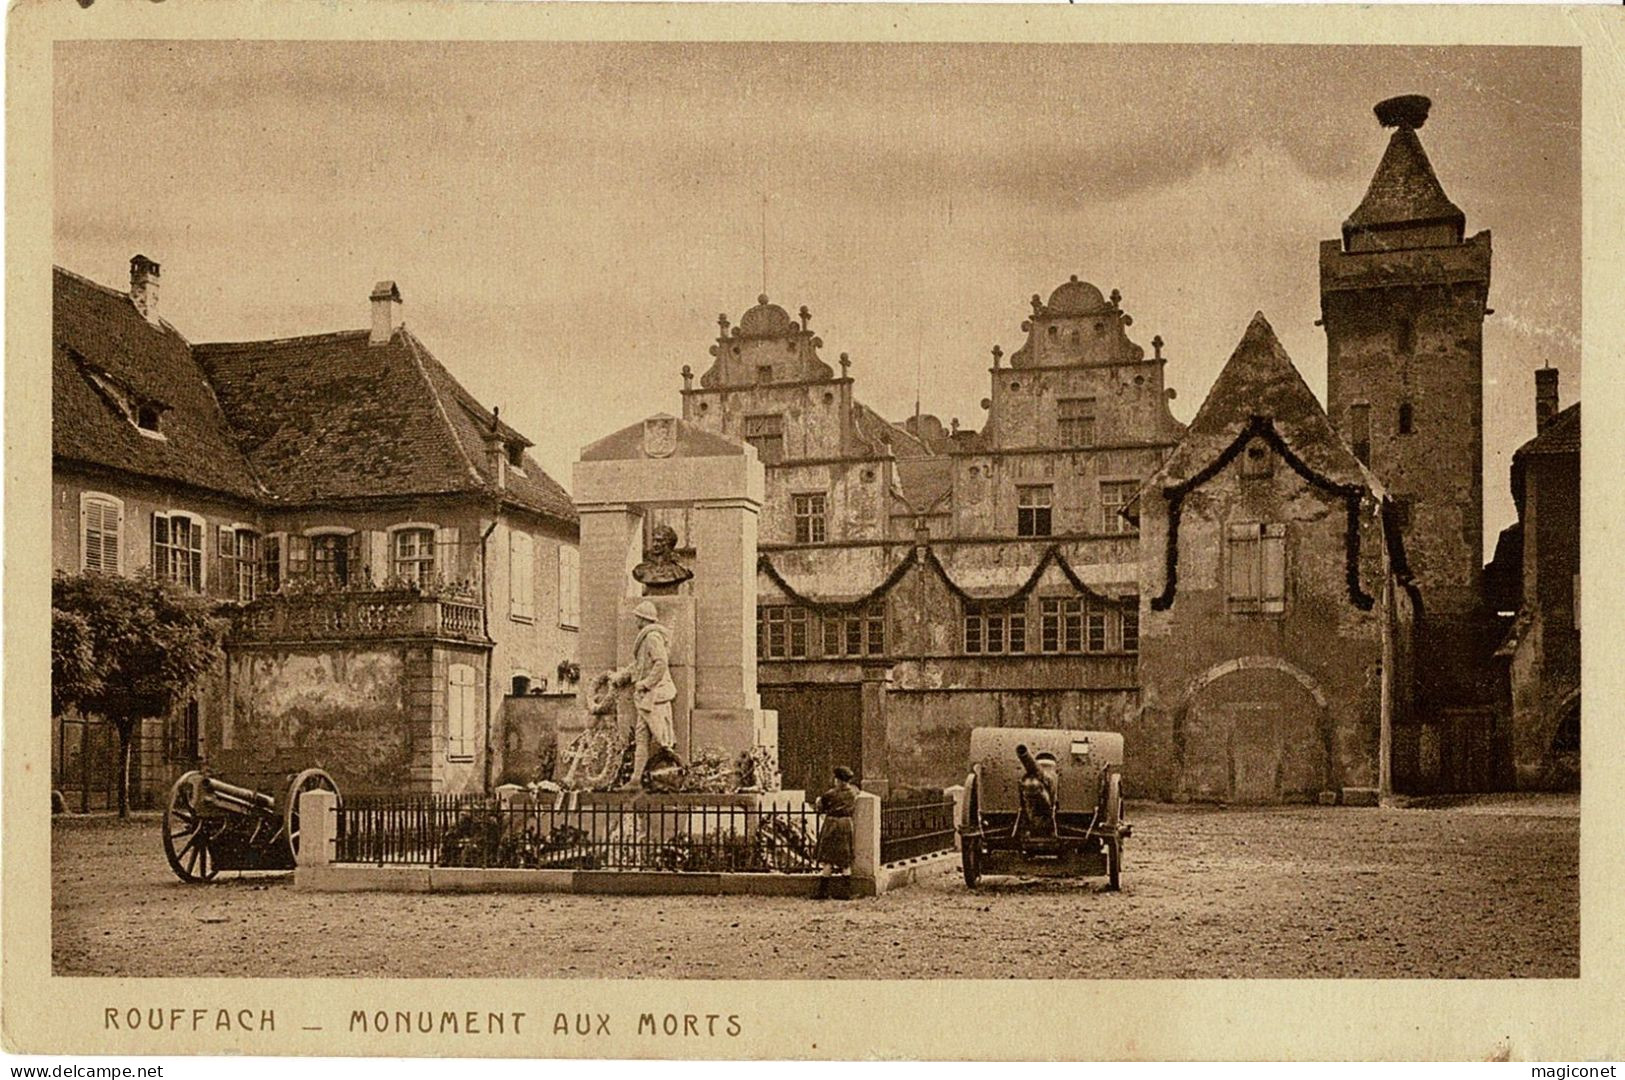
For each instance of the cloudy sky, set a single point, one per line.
(566, 221)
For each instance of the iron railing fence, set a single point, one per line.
(479, 831)
(916, 828)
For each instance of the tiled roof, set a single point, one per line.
(99, 336)
(333, 417)
(1404, 190)
(1562, 435)
(1260, 379)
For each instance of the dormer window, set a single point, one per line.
(147, 417)
(516, 456)
(764, 373)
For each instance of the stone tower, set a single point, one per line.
(1402, 298)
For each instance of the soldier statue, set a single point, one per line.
(649, 677)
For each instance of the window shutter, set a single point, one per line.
(448, 561)
(569, 586)
(1273, 592)
(1244, 565)
(462, 710)
(521, 575)
(377, 558)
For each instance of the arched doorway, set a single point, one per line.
(1253, 730)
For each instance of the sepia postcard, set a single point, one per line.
(751, 531)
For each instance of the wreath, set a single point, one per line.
(601, 695)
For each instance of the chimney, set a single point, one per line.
(144, 287)
(496, 453)
(386, 312)
(1545, 397)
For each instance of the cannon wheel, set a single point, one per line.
(309, 780)
(1114, 819)
(970, 848)
(186, 834)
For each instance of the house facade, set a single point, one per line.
(1274, 622)
(401, 573)
(1537, 567)
(917, 580)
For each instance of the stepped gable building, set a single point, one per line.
(1274, 622)
(1536, 574)
(916, 580)
(1403, 301)
(403, 572)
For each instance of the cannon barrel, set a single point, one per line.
(1028, 763)
(242, 794)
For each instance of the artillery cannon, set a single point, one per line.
(210, 825)
(1043, 802)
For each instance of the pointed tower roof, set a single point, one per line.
(1404, 192)
(1260, 386)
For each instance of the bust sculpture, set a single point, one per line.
(660, 573)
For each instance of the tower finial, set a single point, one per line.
(1405, 111)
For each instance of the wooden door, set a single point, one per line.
(820, 727)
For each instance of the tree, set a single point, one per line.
(128, 649)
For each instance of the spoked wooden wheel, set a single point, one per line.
(187, 833)
(1114, 819)
(970, 847)
(309, 780)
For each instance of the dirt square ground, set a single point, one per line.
(1481, 888)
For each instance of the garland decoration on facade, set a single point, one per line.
(1052, 554)
(836, 607)
(1262, 427)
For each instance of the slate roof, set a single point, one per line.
(1260, 379)
(97, 333)
(1404, 190)
(332, 416)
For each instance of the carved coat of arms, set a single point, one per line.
(660, 436)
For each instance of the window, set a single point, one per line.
(1407, 418)
(1360, 431)
(1061, 624)
(412, 559)
(1405, 337)
(462, 712)
(521, 575)
(569, 586)
(781, 632)
(995, 629)
(271, 561)
(184, 733)
(101, 528)
(1033, 510)
(1114, 495)
(330, 559)
(766, 433)
(298, 556)
(809, 514)
(239, 553)
(858, 633)
(1130, 623)
(147, 417)
(1094, 626)
(1402, 511)
(516, 456)
(177, 549)
(764, 373)
(1258, 460)
(521, 685)
(1257, 556)
(1077, 420)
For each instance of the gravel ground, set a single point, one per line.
(1479, 888)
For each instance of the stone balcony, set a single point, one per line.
(359, 614)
